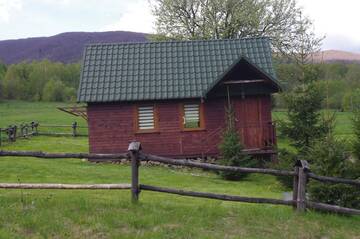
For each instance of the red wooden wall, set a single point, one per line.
(111, 127)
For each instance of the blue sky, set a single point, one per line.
(337, 20)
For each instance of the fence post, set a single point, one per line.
(295, 186)
(74, 125)
(134, 148)
(26, 130)
(36, 124)
(302, 180)
(15, 132)
(21, 130)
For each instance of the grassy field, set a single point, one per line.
(110, 214)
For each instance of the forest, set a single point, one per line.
(39, 81)
(338, 82)
(53, 81)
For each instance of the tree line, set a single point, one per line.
(339, 83)
(39, 81)
(53, 81)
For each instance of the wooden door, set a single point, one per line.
(249, 121)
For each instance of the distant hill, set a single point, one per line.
(337, 56)
(65, 47)
(68, 47)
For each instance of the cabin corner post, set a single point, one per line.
(134, 148)
(303, 167)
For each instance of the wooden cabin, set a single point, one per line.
(171, 96)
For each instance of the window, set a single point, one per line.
(192, 116)
(146, 120)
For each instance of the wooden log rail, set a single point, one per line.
(102, 157)
(217, 196)
(14, 132)
(301, 174)
(333, 179)
(192, 164)
(62, 126)
(74, 130)
(62, 186)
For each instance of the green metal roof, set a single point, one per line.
(165, 70)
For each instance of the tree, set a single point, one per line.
(305, 123)
(356, 128)
(3, 69)
(328, 157)
(16, 82)
(231, 148)
(351, 100)
(281, 20)
(54, 90)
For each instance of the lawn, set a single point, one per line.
(110, 214)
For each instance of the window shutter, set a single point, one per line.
(192, 115)
(146, 117)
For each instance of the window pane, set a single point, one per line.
(146, 117)
(191, 115)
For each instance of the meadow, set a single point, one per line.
(110, 214)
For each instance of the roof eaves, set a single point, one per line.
(242, 57)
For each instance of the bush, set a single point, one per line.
(231, 150)
(356, 128)
(303, 124)
(328, 158)
(54, 91)
(286, 161)
(351, 100)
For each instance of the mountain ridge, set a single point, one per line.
(333, 55)
(68, 47)
(65, 47)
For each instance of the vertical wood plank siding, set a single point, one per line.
(111, 127)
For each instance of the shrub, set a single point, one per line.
(356, 128)
(286, 161)
(231, 150)
(303, 125)
(351, 100)
(328, 158)
(54, 91)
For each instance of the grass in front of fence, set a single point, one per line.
(110, 214)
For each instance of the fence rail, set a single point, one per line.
(301, 174)
(24, 130)
(62, 186)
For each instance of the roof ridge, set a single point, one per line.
(178, 41)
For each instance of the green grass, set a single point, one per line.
(110, 214)
(19, 112)
(343, 127)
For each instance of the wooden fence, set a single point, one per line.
(14, 132)
(301, 175)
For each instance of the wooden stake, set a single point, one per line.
(74, 129)
(301, 193)
(134, 148)
(295, 186)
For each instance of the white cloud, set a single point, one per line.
(339, 18)
(136, 17)
(8, 9)
(58, 2)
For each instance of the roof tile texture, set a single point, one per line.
(164, 70)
